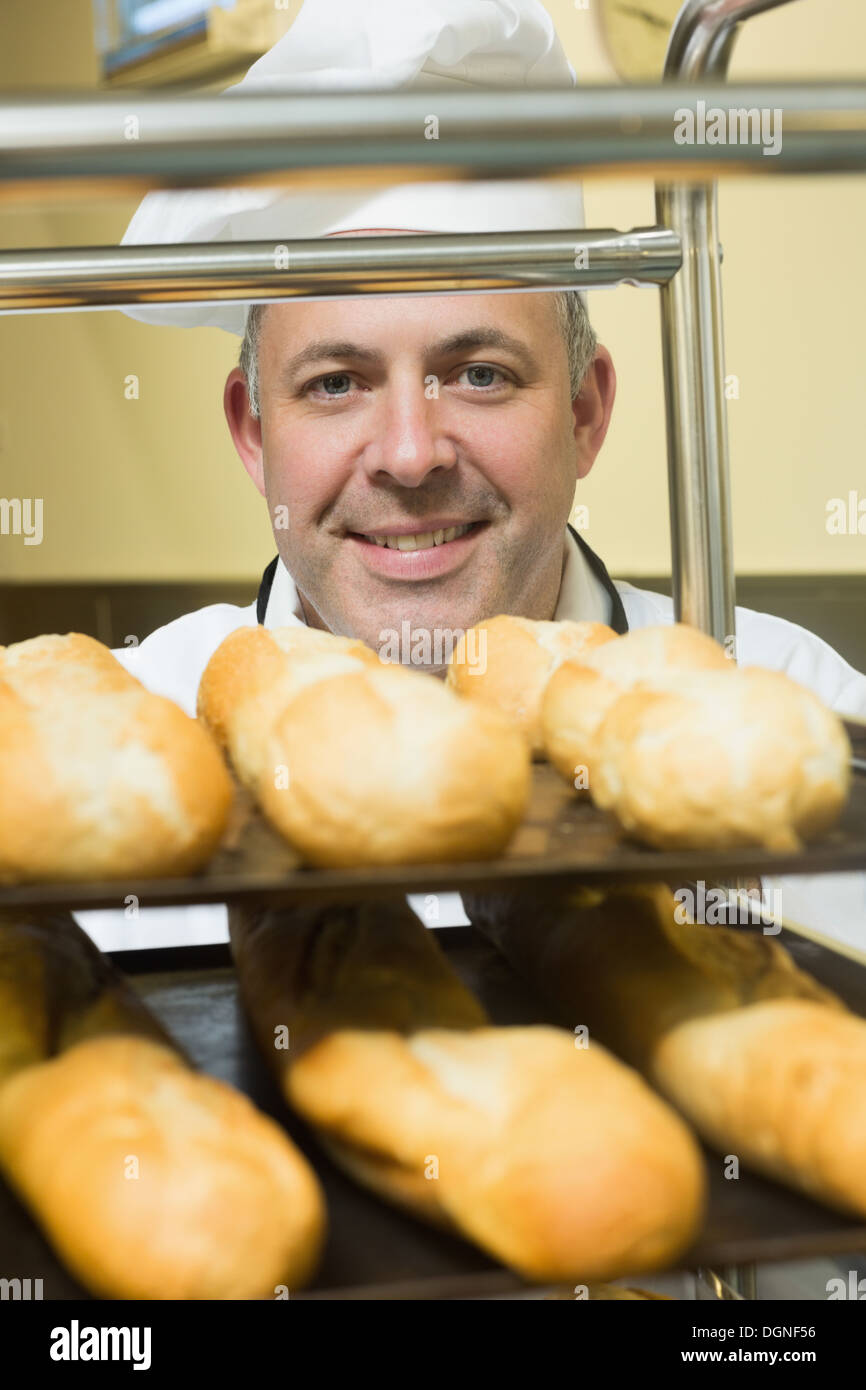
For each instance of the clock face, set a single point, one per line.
(636, 35)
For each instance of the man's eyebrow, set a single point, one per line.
(482, 337)
(465, 341)
(325, 349)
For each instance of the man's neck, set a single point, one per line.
(311, 617)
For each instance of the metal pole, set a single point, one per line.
(704, 585)
(105, 277)
(693, 348)
(58, 144)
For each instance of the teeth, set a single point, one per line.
(423, 540)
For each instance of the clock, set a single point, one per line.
(636, 34)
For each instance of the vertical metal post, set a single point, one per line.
(693, 359)
(693, 355)
(693, 349)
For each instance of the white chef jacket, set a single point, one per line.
(171, 661)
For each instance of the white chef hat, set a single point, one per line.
(346, 45)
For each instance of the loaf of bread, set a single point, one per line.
(555, 1158)
(100, 779)
(725, 760)
(357, 762)
(507, 661)
(767, 1064)
(689, 751)
(580, 692)
(149, 1179)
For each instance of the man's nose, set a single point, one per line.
(407, 440)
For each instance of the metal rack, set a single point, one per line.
(72, 146)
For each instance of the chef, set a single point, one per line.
(419, 455)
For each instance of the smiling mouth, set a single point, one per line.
(418, 540)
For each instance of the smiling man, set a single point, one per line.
(420, 456)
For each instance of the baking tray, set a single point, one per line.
(561, 839)
(373, 1250)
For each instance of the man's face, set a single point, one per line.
(386, 422)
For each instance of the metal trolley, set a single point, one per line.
(73, 145)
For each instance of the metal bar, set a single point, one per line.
(108, 276)
(137, 140)
(702, 571)
(701, 31)
(693, 345)
(716, 1286)
(742, 1279)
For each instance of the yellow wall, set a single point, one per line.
(152, 489)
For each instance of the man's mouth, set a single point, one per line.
(407, 539)
(406, 553)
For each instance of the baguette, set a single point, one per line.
(150, 1180)
(557, 1160)
(99, 778)
(356, 762)
(765, 1062)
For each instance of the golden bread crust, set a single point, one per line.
(779, 1084)
(507, 661)
(99, 778)
(580, 692)
(723, 761)
(557, 1159)
(358, 762)
(171, 1185)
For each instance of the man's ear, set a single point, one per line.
(592, 409)
(246, 431)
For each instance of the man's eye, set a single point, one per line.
(333, 379)
(481, 376)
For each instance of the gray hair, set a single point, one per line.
(581, 343)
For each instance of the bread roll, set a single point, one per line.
(507, 661)
(580, 693)
(728, 759)
(255, 671)
(555, 1158)
(766, 1063)
(99, 779)
(150, 1180)
(357, 762)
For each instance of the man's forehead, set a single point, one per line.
(524, 318)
